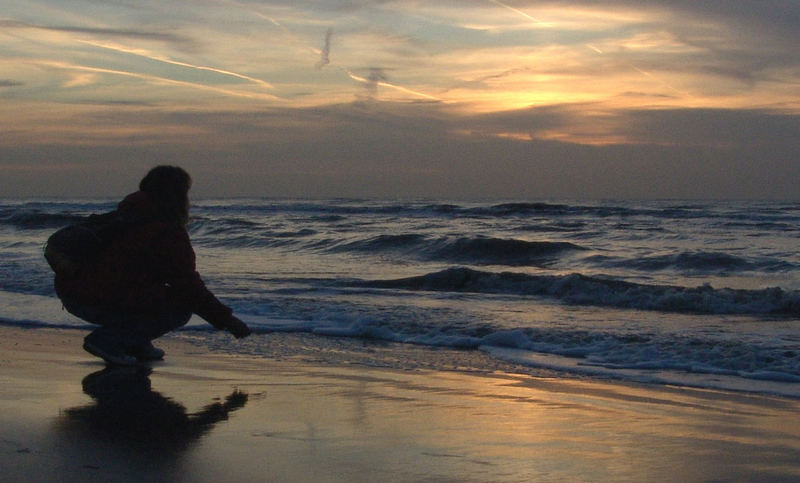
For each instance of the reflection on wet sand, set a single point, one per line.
(127, 412)
(319, 421)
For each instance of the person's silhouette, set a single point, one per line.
(144, 283)
(126, 411)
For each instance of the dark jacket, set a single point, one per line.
(150, 269)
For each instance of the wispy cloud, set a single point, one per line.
(480, 82)
(101, 32)
(450, 83)
(599, 51)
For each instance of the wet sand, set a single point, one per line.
(203, 416)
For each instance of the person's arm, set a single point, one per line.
(238, 328)
(188, 287)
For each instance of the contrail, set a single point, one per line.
(324, 57)
(533, 19)
(283, 28)
(658, 79)
(151, 56)
(592, 47)
(324, 54)
(152, 78)
(379, 80)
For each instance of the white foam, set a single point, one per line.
(760, 382)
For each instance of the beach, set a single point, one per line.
(400, 241)
(201, 415)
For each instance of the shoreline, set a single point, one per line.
(202, 415)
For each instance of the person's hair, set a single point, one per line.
(168, 186)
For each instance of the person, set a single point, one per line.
(145, 283)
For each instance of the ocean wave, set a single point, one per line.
(32, 220)
(416, 209)
(771, 218)
(499, 251)
(699, 262)
(471, 250)
(521, 209)
(768, 217)
(526, 209)
(650, 352)
(578, 289)
(383, 243)
(560, 227)
(213, 226)
(642, 355)
(762, 225)
(236, 233)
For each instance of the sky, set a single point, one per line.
(446, 99)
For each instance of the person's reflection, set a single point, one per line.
(127, 411)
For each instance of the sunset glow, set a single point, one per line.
(184, 72)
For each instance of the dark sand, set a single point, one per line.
(201, 416)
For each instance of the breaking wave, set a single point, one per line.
(577, 289)
(470, 250)
(33, 220)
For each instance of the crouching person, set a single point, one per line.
(144, 283)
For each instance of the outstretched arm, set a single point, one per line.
(191, 291)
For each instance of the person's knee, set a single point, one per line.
(182, 318)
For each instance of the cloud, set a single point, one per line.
(722, 129)
(324, 56)
(742, 41)
(480, 82)
(500, 98)
(782, 15)
(733, 128)
(103, 32)
(407, 150)
(376, 76)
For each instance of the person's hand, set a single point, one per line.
(238, 328)
(236, 400)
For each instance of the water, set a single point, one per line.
(690, 293)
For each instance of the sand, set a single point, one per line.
(203, 416)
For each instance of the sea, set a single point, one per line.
(701, 294)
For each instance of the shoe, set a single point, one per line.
(109, 352)
(146, 352)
